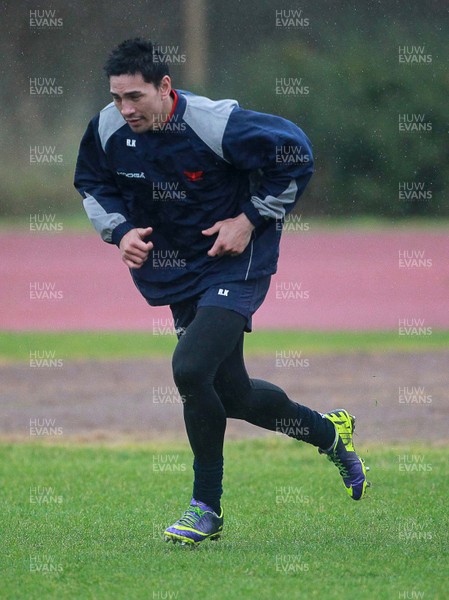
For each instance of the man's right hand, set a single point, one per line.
(133, 249)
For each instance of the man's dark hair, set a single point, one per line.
(137, 56)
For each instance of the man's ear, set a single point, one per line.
(165, 87)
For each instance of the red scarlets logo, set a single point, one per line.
(194, 175)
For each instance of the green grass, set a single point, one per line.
(78, 222)
(373, 223)
(75, 222)
(105, 533)
(113, 345)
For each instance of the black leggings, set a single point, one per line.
(210, 373)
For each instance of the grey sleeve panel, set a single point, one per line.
(110, 121)
(208, 119)
(274, 207)
(104, 222)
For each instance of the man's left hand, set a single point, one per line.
(233, 236)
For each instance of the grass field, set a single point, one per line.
(112, 345)
(86, 522)
(78, 222)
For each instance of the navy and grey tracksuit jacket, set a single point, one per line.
(212, 160)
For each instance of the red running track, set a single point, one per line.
(325, 281)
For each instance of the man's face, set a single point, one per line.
(143, 105)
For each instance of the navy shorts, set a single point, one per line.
(243, 297)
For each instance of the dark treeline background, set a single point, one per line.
(345, 53)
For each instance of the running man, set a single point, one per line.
(194, 193)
